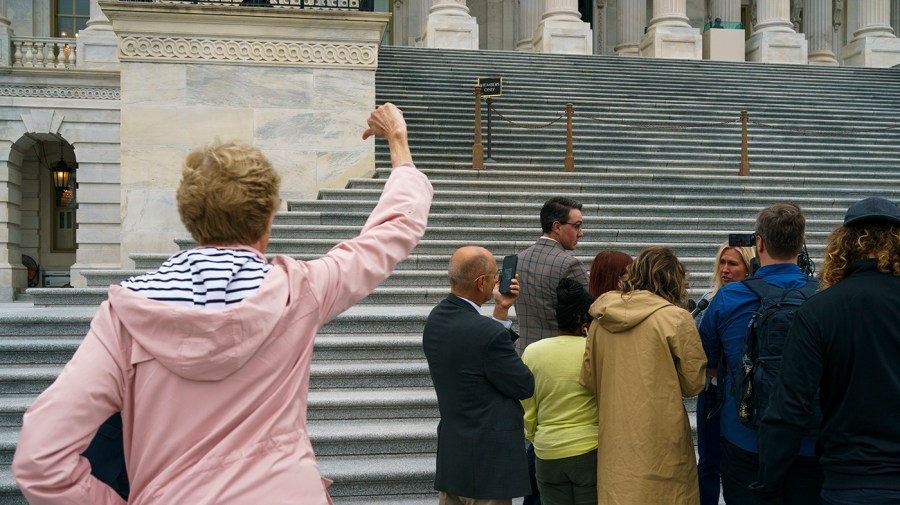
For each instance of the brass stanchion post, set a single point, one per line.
(477, 147)
(570, 157)
(745, 157)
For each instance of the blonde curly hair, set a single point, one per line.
(228, 193)
(847, 244)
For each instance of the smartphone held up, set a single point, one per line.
(508, 273)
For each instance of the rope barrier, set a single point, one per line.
(658, 125)
(824, 132)
(530, 127)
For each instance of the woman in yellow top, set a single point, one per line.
(561, 417)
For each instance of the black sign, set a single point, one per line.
(490, 86)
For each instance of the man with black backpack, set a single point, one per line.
(846, 342)
(743, 332)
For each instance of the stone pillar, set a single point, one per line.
(895, 17)
(6, 33)
(819, 21)
(96, 44)
(631, 19)
(561, 29)
(526, 25)
(774, 39)
(297, 83)
(450, 26)
(874, 43)
(670, 35)
(600, 28)
(728, 11)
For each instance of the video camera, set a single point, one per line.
(749, 240)
(741, 239)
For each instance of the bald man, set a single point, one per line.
(479, 380)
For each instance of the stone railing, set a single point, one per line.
(345, 5)
(31, 52)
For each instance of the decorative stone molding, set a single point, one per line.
(280, 53)
(183, 33)
(37, 91)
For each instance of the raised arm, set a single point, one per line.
(350, 271)
(387, 122)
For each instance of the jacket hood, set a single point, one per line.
(617, 313)
(201, 344)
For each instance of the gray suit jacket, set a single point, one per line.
(479, 380)
(540, 268)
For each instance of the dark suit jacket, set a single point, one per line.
(479, 379)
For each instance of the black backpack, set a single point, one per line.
(763, 346)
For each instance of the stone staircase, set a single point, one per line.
(643, 177)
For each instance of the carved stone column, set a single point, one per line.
(561, 29)
(600, 29)
(97, 44)
(630, 23)
(527, 25)
(874, 43)
(774, 39)
(670, 35)
(895, 17)
(819, 21)
(450, 26)
(6, 32)
(729, 11)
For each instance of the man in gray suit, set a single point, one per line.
(479, 380)
(542, 265)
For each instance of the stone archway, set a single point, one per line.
(32, 213)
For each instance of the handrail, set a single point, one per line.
(743, 119)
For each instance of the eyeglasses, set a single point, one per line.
(577, 225)
(499, 273)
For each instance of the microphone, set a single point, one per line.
(701, 305)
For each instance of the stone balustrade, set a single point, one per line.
(32, 52)
(347, 5)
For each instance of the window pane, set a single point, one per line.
(64, 7)
(80, 24)
(70, 27)
(65, 27)
(83, 7)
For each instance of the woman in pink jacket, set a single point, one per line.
(208, 357)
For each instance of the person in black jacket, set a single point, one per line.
(479, 380)
(845, 341)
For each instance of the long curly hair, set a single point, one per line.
(658, 271)
(847, 244)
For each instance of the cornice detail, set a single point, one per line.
(91, 93)
(262, 52)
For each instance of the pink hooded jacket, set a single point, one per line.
(213, 402)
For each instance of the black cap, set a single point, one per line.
(872, 209)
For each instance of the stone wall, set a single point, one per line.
(297, 84)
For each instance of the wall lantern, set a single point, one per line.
(62, 179)
(62, 175)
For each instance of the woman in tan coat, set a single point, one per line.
(643, 354)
